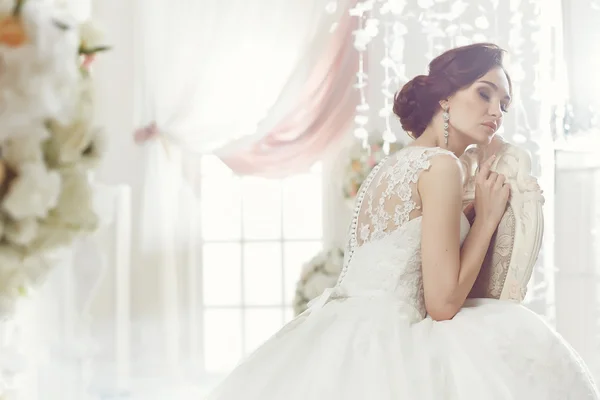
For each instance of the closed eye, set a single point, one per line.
(486, 97)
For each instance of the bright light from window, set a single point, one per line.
(256, 234)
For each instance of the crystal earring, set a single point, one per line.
(446, 118)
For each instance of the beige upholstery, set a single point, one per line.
(515, 246)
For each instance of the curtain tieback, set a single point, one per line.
(146, 133)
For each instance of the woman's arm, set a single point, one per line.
(449, 271)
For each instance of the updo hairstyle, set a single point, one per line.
(418, 100)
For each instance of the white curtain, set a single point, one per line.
(214, 71)
(212, 74)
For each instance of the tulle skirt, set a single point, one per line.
(369, 349)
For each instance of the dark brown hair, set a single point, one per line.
(418, 101)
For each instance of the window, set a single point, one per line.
(256, 234)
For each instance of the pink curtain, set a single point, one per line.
(322, 116)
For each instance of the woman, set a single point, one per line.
(398, 325)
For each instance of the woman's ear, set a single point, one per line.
(444, 104)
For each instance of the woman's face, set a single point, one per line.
(476, 111)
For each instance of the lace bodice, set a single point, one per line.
(383, 253)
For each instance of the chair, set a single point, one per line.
(516, 244)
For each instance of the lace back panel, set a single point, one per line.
(388, 199)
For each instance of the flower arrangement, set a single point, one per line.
(361, 161)
(48, 143)
(318, 274)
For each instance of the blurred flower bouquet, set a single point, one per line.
(48, 143)
(361, 161)
(320, 273)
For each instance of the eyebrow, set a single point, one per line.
(493, 85)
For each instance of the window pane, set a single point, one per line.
(262, 208)
(296, 254)
(222, 273)
(262, 273)
(261, 324)
(302, 207)
(221, 208)
(222, 339)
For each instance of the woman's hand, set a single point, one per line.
(491, 195)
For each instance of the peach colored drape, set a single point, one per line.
(322, 116)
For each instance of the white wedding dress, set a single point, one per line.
(369, 338)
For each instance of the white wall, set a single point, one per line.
(581, 38)
(578, 251)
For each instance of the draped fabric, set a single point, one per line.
(228, 77)
(321, 117)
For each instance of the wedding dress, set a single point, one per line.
(369, 338)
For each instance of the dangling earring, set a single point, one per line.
(446, 118)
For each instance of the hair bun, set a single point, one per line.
(419, 100)
(410, 105)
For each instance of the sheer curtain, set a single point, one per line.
(210, 75)
(322, 115)
(215, 71)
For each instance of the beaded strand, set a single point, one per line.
(354, 225)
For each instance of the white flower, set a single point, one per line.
(316, 285)
(362, 38)
(482, 22)
(331, 7)
(10, 260)
(51, 236)
(23, 272)
(92, 37)
(397, 6)
(74, 209)
(94, 152)
(338, 256)
(22, 231)
(332, 267)
(320, 273)
(319, 259)
(372, 27)
(24, 149)
(46, 199)
(68, 142)
(13, 282)
(84, 109)
(307, 271)
(35, 269)
(37, 77)
(33, 192)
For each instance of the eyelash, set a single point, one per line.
(487, 98)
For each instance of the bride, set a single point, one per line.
(398, 324)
